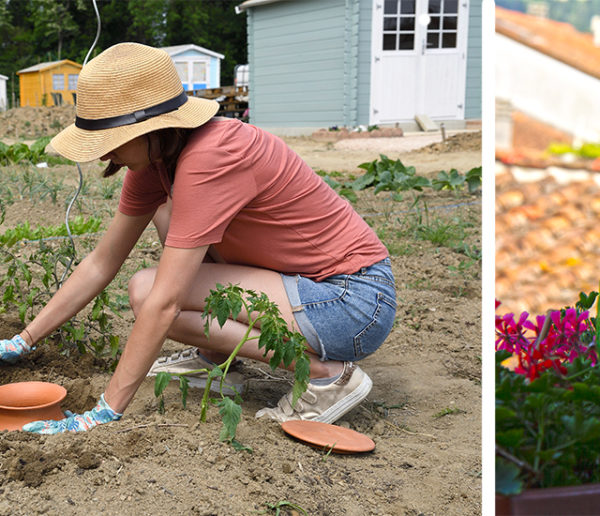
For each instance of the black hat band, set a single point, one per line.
(132, 118)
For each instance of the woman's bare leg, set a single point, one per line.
(189, 326)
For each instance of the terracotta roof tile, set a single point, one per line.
(547, 240)
(556, 39)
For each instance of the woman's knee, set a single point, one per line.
(139, 287)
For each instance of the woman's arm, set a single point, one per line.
(92, 275)
(176, 273)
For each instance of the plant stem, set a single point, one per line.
(225, 365)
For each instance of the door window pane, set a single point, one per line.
(182, 70)
(73, 81)
(390, 23)
(407, 23)
(450, 22)
(434, 24)
(433, 40)
(407, 6)
(58, 81)
(389, 42)
(199, 72)
(449, 40)
(390, 7)
(451, 6)
(407, 42)
(435, 6)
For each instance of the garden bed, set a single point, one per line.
(424, 412)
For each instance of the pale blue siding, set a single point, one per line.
(473, 82)
(364, 62)
(215, 72)
(296, 57)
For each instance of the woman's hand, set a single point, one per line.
(13, 349)
(101, 413)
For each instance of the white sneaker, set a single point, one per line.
(191, 359)
(324, 403)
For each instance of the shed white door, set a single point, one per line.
(419, 59)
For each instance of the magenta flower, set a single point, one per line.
(536, 352)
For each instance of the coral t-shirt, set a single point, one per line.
(246, 192)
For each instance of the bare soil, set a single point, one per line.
(424, 412)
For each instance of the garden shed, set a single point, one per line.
(3, 97)
(315, 64)
(197, 67)
(49, 84)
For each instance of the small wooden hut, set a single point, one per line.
(49, 84)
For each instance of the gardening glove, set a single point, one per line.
(100, 414)
(13, 349)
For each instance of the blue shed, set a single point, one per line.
(197, 67)
(316, 63)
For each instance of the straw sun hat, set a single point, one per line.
(127, 91)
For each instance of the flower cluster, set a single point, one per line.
(540, 345)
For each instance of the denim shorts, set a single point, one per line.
(346, 316)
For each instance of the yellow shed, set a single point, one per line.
(49, 84)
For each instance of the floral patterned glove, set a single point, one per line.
(101, 413)
(13, 349)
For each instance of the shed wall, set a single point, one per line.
(473, 83)
(297, 71)
(364, 62)
(3, 98)
(36, 87)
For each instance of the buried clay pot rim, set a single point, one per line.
(24, 396)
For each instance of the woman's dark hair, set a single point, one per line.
(171, 142)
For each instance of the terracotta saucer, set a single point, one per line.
(329, 437)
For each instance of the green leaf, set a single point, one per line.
(510, 438)
(507, 478)
(222, 311)
(215, 372)
(348, 194)
(160, 383)
(114, 345)
(360, 183)
(231, 414)
(301, 377)
(38, 147)
(586, 301)
(238, 446)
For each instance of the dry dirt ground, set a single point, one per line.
(424, 412)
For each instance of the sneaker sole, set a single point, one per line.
(346, 404)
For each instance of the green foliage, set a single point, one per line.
(585, 151)
(20, 152)
(287, 347)
(78, 226)
(455, 181)
(547, 430)
(89, 331)
(389, 175)
(282, 504)
(35, 31)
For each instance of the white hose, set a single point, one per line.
(68, 267)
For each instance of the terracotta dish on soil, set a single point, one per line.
(329, 437)
(24, 402)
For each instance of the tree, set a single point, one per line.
(52, 20)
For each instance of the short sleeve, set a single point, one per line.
(142, 192)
